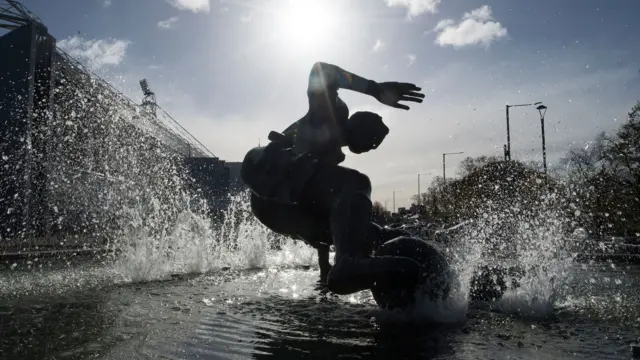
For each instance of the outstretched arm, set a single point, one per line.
(325, 80)
(325, 108)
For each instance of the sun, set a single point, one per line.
(303, 25)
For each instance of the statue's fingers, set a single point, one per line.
(409, 87)
(413, 99)
(400, 106)
(414, 94)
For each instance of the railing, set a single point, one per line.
(13, 15)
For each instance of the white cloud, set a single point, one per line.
(191, 5)
(106, 3)
(246, 18)
(443, 24)
(96, 54)
(378, 46)
(411, 58)
(476, 27)
(170, 23)
(415, 7)
(482, 13)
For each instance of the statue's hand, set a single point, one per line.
(391, 93)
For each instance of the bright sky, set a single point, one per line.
(232, 70)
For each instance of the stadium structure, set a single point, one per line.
(75, 152)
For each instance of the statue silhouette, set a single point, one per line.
(300, 190)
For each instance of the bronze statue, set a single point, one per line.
(300, 190)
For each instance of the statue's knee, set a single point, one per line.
(359, 182)
(271, 215)
(338, 284)
(348, 276)
(258, 206)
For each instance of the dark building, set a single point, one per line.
(235, 183)
(208, 179)
(25, 96)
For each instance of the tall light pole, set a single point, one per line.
(419, 197)
(543, 110)
(444, 177)
(507, 152)
(394, 201)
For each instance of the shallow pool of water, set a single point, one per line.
(278, 312)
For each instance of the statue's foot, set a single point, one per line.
(321, 286)
(324, 273)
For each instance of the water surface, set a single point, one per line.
(278, 312)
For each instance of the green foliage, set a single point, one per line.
(494, 186)
(604, 180)
(469, 164)
(379, 214)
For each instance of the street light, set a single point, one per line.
(394, 201)
(419, 197)
(543, 110)
(444, 178)
(507, 152)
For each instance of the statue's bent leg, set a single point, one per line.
(345, 194)
(290, 220)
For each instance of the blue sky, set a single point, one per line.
(231, 71)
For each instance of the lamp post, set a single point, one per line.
(444, 178)
(543, 110)
(394, 201)
(420, 198)
(507, 152)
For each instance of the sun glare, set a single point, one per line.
(306, 24)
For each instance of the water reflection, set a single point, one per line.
(326, 327)
(68, 326)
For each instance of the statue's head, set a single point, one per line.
(365, 131)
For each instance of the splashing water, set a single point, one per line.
(531, 239)
(515, 236)
(527, 237)
(195, 245)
